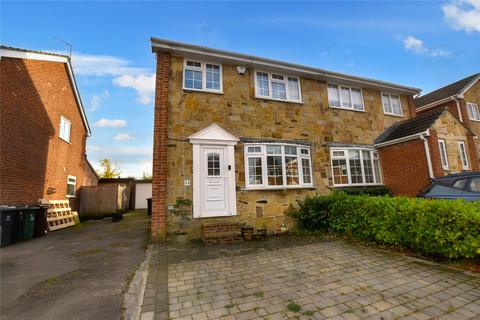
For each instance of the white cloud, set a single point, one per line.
(135, 169)
(143, 84)
(110, 123)
(417, 46)
(142, 80)
(122, 137)
(101, 65)
(97, 99)
(463, 15)
(93, 148)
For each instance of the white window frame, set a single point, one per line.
(390, 95)
(203, 70)
(372, 151)
(339, 87)
(263, 155)
(463, 155)
(443, 151)
(64, 124)
(472, 116)
(284, 81)
(74, 186)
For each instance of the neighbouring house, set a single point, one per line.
(245, 137)
(462, 99)
(431, 144)
(43, 129)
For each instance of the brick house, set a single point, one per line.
(245, 137)
(431, 144)
(462, 98)
(43, 129)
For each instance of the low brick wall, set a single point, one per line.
(221, 233)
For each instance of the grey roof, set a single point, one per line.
(420, 123)
(159, 44)
(448, 91)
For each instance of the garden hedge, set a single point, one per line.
(433, 227)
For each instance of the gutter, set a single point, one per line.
(402, 139)
(232, 57)
(427, 154)
(436, 103)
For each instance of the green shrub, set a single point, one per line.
(434, 227)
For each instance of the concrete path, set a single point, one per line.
(75, 273)
(321, 280)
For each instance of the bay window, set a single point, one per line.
(345, 97)
(277, 87)
(355, 166)
(202, 76)
(391, 104)
(277, 166)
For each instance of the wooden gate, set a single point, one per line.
(103, 200)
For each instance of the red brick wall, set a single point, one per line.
(34, 94)
(405, 168)
(435, 154)
(159, 187)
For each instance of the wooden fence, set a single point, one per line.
(103, 200)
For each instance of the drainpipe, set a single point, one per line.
(427, 154)
(459, 110)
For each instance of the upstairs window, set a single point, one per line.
(391, 104)
(463, 155)
(443, 154)
(277, 166)
(355, 167)
(345, 97)
(277, 87)
(202, 76)
(71, 186)
(65, 129)
(473, 111)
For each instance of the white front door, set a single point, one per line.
(215, 186)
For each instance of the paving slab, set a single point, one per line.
(321, 279)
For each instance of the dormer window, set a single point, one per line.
(277, 87)
(202, 76)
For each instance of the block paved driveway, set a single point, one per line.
(327, 280)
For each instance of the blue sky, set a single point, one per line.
(422, 44)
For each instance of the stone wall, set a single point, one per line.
(243, 115)
(451, 130)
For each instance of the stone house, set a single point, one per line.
(43, 129)
(245, 137)
(462, 98)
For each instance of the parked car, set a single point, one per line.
(461, 185)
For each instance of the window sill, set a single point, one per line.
(357, 185)
(70, 197)
(65, 140)
(278, 188)
(347, 109)
(204, 91)
(279, 100)
(394, 115)
(475, 120)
